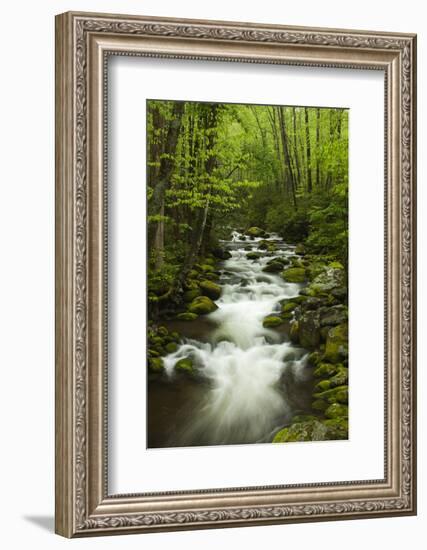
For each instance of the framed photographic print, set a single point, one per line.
(235, 274)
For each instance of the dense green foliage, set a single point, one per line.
(217, 167)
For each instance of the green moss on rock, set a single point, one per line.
(187, 316)
(287, 316)
(185, 366)
(189, 295)
(202, 305)
(312, 430)
(155, 364)
(191, 284)
(319, 405)
(273, 267)
(272, 321)
(340, 378)
(255, 232)
(294, 275)
(325, 370)
(322, 386)
(253, 255)
(336, 410)
(338, 394)
(314, 358)
(288, 306)
(303, 418)
(336, 265)
(294, 332)
(171, 347)
(337, 427)
(210, 289)
(336, 348)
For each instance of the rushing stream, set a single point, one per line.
(252, 380)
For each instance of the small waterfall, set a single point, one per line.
(243, 363)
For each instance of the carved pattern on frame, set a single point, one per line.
(212, 31)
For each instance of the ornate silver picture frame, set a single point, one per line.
(84, 42)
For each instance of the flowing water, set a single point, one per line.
(251, 380)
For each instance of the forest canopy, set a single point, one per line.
(213, 168)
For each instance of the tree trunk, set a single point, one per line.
(273, 122)
(330, 156)
(318, 148)
(307, 144)
(167, 165)
(286, 155)
(294, 116)
(202, 216)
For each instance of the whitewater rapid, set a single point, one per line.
(243, 363)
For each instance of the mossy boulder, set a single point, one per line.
(287, 316)
(340, 293)
(294, 332)
(156, 340)
(315, 268)
(185, 366)
(207, 268)
(309, 330)
(202, 305)
(336, 348)
(155, 364)
(296, 261)
(210, 289)
(322, 386)
(319, 405)
(336, 410)
(294, 275)
(324, 333)
(158, 287)
(272, 321)
(255, 232)
(253, 255)
(337, 427)
(171, 347)
(336, 265)
(263, 245)
(303, 418)
(327, 280)
(313, 430)
(288, 306)
(334, 395)
(270, 246)
(211, 276)
(313, 302)
(340, 378)
(314, 359)
(221, 253)
(296, 299)
(273, 267)
(333, 316)
(300, 249)
(187, 316)
(325, 370)
(191, 284)
(162, 331)
(189, 295)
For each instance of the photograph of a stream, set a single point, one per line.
(247, 334)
